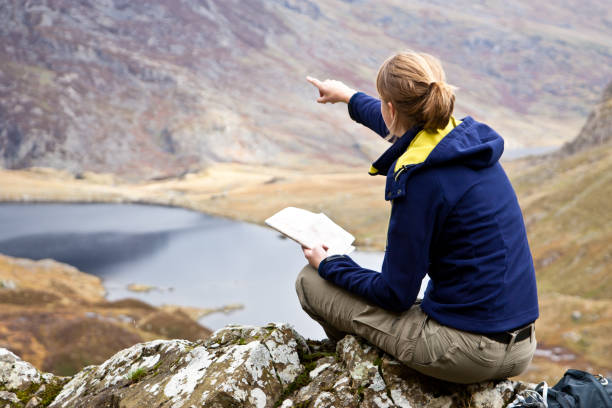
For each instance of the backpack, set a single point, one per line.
(577, 389)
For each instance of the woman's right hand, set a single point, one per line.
(331, 90)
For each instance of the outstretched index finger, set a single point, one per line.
(314, 81)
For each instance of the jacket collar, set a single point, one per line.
(383, 163)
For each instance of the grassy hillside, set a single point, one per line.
(57, 318)
(565, 197)
(567, 207)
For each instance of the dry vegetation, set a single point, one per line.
(567, 206)
(57, 318)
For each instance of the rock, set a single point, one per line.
(576, 315)
(246, 366)
(491, 395)
(33, 402)
(16, 374)
(362, 375)
(598, 128)
(22, 385)
(8, 284)
(237, 366)
(41, 390)
(6, 396)
(141, 288)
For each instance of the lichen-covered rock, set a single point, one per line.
(360, 375)
(8, 397)
(246, 366)
(16, 373)
(22, 385)
(237, 366)
(491, 395)
(329, 386)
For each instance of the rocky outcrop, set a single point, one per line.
(22, 385)
(245, 366)
(598, 128)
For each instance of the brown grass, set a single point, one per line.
(56, 317)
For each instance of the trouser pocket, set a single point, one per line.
(378, 326)
(395, 333)
(410, 334)
(435, 343)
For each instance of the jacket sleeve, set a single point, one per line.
(365, 110)
(411, 228)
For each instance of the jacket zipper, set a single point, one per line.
(400, 171)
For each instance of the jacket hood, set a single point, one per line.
(470, 143)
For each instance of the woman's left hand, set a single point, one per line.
(315, 255)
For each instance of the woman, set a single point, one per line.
(454, 216)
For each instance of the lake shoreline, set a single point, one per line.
(226, 192)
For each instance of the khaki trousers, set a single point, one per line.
(412, 337)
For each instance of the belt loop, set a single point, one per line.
(512, 340)
(532, 337)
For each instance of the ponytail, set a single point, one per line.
(438, 106)
(415, 84)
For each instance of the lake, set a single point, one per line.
(192, 258)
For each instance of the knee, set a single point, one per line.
(305, 275)
(302, 278)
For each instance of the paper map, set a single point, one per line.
(310, 229)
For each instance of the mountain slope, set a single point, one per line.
(598, 128)
(163, 87)
(566, 201)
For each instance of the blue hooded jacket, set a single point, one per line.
(454, 216)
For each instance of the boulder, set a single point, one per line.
(22, 385)
(238, 366)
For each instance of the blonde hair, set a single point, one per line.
(415, 84)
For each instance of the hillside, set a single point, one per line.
(565, 197)
(566, 201)
(57, 317)
(160, 88)
(567, 210)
